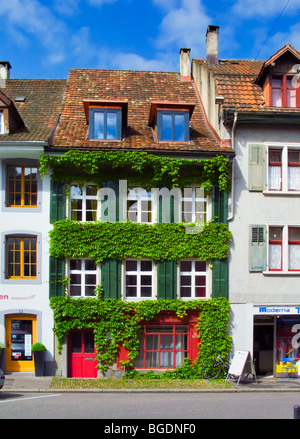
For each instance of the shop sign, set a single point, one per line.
(277, 310)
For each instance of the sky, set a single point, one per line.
(44, 39)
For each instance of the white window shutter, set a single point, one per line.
(257, 167)
(257, 256)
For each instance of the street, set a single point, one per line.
(148, 406)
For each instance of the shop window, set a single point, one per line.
(83, 277)
(162, 347)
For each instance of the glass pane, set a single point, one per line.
(131, 279)
(275, 257)
(89, 265)
(91, 189)
(166, 341)
(179, 127)
(151, 359)
(185, 292)
(294, 234)
(166, 127)
(166, 359)
(75, 265)
(21, 340)
(75, 290)
(98, 125)
(131, 265)
(89, 342)
(186, 266)
(185, 280)
(146, 280)
(200, 265)
(146, 266)
(146, 291)
(111, 126)
(76, 342)
(152, 342)
(75, 278)
(90, 290)
(131, 292)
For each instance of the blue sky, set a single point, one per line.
(43, 39)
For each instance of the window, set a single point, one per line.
(284, 248)
(139, 205)
(105, 123)
(192, 279)
(194, 205)
(84, 202)
(283, 94)
(22, 186)
(21, 257)
(138, 279)
(284, 169)
(83, 277)
(173, 125)
(162, 347)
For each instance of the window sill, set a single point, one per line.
(281, 273)
(296, 193)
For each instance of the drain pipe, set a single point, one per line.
(230, 216)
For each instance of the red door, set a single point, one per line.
(82, 362)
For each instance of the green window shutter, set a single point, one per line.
(167, 280)
(220, 278)
(219, 205)
(56, 276)
(258, 248)
(111, 279)
(110, 202)
(168, 205)
(256, 169)
(57, 202)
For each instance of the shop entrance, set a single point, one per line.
(263, 345)
(82, 362)
(20, 336)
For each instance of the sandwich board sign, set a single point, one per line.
(242, 365)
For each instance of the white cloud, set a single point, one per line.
(266, 8)
(132, 61)
(184, 26)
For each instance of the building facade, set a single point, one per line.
(254, 107)
(28, 116)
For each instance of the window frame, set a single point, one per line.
(139, 198)
(285, 246)
(285, 87)
(173, 112)
(22, 263)
(194, 197)
(285, 166)
(139, 273)
(82, 272)
(84, 198)
(160, 331)
(105, 111)
(22, 192)
(193, 274)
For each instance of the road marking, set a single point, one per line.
(32, 397)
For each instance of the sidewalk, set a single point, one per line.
(28, 382)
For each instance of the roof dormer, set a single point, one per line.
(10, 119)
(279, 79)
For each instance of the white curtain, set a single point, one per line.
(275, 257)
(275, 178)
(294, 257)
(294, 178)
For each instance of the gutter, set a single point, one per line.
(231, 213)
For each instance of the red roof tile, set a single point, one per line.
(139, 89)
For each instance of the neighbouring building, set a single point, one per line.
(254, 107)
(29, 112)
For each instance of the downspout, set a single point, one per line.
(231, 213)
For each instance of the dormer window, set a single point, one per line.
(283, 94)
(173, 125)
(105, 123)
(106, 119)
(171, 121)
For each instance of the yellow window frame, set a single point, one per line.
(23, 192)
(17, 260)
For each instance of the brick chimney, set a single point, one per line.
(212, 44)
(185, 64)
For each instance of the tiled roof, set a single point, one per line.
(139, 89)
(237, 81)
(40, 110)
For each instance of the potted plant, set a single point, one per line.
(39, 350)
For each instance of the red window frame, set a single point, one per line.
(284, 91)
(276, 242)
(293, 242)
(275, 162)
(169, 319)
